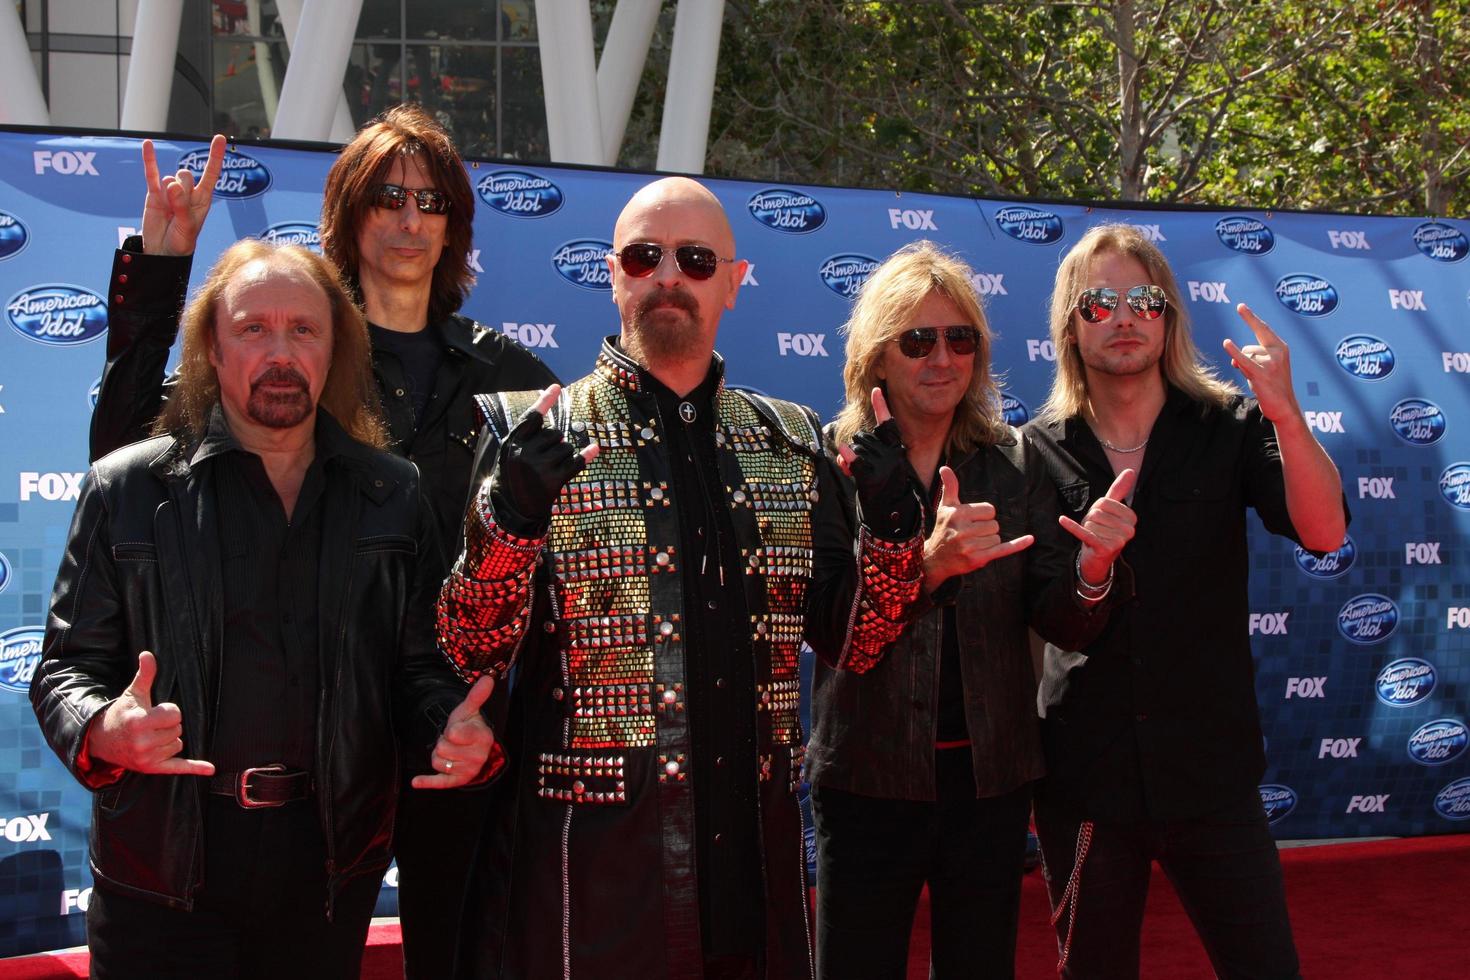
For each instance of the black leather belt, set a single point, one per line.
(261, 786)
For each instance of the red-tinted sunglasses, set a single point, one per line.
(639, 259)
(919, 342)
(1098, 303)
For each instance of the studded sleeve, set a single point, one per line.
(484, 606)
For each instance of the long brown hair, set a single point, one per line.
(884, 309)
(1183, 365)
(349, 394)
(403, 131)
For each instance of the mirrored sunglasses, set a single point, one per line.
(1098, 303)
(392, 197)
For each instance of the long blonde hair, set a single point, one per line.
(1182, 364)
(349, 393)
(884, 309)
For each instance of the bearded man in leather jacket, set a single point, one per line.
(239, 648)
(922, 758)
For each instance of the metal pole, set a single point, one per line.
(21, 101)
(265, 71)
(569, 79)
(290, 13)
(685, 130)
(151, 64)
(624, 53)
(313, 86)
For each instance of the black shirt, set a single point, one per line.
(721, 677)
(419, 355)
(1157, 718)
(267, 678)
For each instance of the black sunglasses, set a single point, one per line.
(918, 342)
(394, 196)
(1098, 303)
(639, 259)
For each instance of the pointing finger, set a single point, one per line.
(141, 686)
(1011, 547)
(1246, 365)
(213, 165)
(548, 398)
(1123, 485)
(1081, 533)
(184, 767)
(590, 452)
(881, 413)
(1263, 333)
(478, 694)
(150, 167)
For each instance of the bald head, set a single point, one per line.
(690, 201)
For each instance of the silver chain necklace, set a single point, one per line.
(1119, 449)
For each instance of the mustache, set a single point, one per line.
(676, 296)
(279, 375)
(409, 242)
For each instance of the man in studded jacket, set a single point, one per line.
(644, 550)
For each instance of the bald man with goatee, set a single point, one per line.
(642, 548)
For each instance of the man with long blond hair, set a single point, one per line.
(239, 646)
(396, 220)
(1153, 743)
(923, 755)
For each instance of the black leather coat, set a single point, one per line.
(140, 572)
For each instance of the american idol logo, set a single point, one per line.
(1277, 801)
(94, 392)
(1438, 742)
(1453, 801)
(13, 235)
(845, 274)
(1441, 242)
(1013, 410)
(1307, 294)
(787, 210)
(583, 262)
(1454, 485)
(57, 314)
(240, 176)
(1405, 682)
(1031, 225)
(1365, 357)
(20, 652)
(519, 194)
(1244, 234)
(5, 572)
(1330, 565)
(1418, 421)
(1368, 618)
(303, 233)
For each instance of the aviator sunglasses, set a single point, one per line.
(391, 197)
(1098, 303)
(918, 342)
(639, 259)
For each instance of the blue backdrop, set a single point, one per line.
(1363, 659)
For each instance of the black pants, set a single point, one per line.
(434, 841)
(1224, 867)
(261, 912)
(874, 856)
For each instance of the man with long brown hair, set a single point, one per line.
(397, 222)
(238, 648)
(1152, 738)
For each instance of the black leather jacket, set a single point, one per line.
(140, 572)
(873, 732)
(145, 294)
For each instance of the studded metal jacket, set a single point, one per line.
(595, 858)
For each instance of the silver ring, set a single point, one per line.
(448, 764)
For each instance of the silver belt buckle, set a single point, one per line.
(242, 787)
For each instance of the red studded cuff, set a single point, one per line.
(890, 579)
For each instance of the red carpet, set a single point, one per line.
(1394, 909)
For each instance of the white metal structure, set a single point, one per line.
(588, 103)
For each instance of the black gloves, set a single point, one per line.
(880, 470)
(535, 462)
